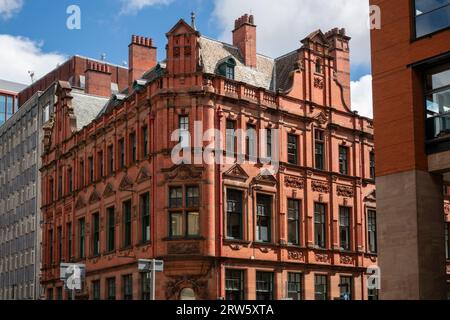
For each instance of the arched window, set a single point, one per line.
(318, 66)
(187, 294)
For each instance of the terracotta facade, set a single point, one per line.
(191, 206)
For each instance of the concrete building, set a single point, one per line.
(8, 99)
(20, 159)
(112, 193)
(411, 81)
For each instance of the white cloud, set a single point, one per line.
(132, 6)
(283, 23)
(9, 8)
(19, 55)
(362, 96)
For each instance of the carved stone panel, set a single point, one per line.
(294, 182)
(320, 186)
(184, 248)
(345, 191)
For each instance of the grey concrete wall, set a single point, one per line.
(411, 236)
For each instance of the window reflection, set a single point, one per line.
(438, 102)
(431, 16)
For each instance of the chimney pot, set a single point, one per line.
(141, 58)
(244, 37)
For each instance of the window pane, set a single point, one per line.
(230, 137)
(127, 223)
(176, 225)
(292, 149)
(193, 224)
(346, 288)
(295, 286)
(263, 218)
(321, 287)
(431, 16)
(319, 225)
(234, 285)
(293, 221)
(192, 197)
(111, 229)
(372, 231)
(344, 227)
(176, 197)
(264, 285)
(251, 142)
(145, 217)
(234, 213)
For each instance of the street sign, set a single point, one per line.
(150, 265)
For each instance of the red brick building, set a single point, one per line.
(411, 80)
(112, 194)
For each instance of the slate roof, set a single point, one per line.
(270, 74)
(212, 52)
(86, 107)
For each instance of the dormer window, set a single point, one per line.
(318, 66)
(226, 68)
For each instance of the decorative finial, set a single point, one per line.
(193, 20)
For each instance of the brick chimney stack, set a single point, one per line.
(141, 58)
(244, 37)
(340, 50)
(98, 79)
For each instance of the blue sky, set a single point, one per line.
(107, 25)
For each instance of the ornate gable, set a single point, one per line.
(316, 37)
(80, 203)
(143, 175)
(321, 118)
(109, 191)
(371, 197)
(182, 27)
(265, 178)
(95, 197)
(126, 183)
(183, 172)
(236, 173)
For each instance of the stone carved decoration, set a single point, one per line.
(95, 197)
(324, 258)
(183, 172)
(264, 250)
(177, 284)
(80, 203)
(447, 208)
(265, 178)
(294, 182)
(322, 118)
(143, 175)
(184, 248)
(320, 186)
(235, 247)
(318, 83)
(296, 255)
(344, 191)
(346, 260)
(109, 191)
(236, 173)
(126, 183)
(371, 197)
